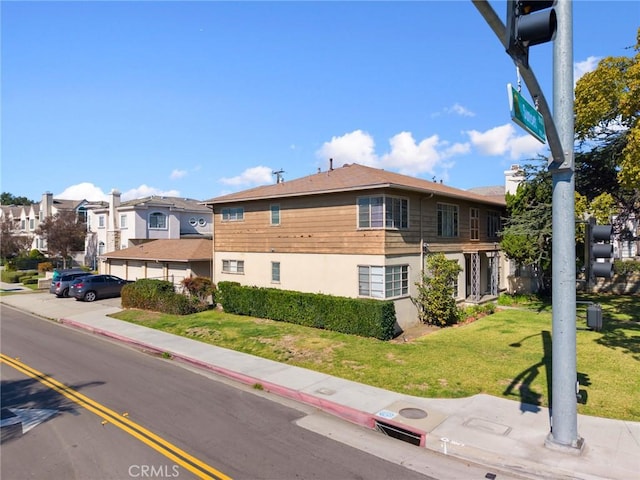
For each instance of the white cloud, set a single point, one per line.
(251, 176)
(82, 191)
(503, 140)
(580, 68)
(147, 191)
(406, 155)
(177, 174)
(354, 147)
(460, 110)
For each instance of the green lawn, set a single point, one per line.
(506, 354)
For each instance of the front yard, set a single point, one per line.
(507, 354)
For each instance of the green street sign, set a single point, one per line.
(526, 115)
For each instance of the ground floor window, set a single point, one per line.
(383, 282)
(233, 266)
(275, 272)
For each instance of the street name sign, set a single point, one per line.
(526, 115)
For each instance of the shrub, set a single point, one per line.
(435, 302)
(626, 268)
(159, 296)
(45, 267)
(10, 276)
(200, 288)
(364, 317)
(30, 281)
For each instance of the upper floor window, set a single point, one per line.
(123, 221)
(474, 223)
(32, 224)
(275, 214)
(232, 214)
(23, 224)
(101, 248)
(101, 221)
(383, 212)
(157, 220)
(494, 224)
(447, 220)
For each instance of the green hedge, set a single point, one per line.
(13, 276)
(364, 317)
(159, 296)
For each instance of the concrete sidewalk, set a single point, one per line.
(490, 431)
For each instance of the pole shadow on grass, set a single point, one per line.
(530, 400)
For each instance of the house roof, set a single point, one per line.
(351, 177)
(175, 203)
(167, 250)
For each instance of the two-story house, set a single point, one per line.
(358, 231)
(172, 229)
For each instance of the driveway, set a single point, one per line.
(49, 306)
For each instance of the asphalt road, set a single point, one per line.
(232, 430)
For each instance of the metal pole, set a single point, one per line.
(564, 430)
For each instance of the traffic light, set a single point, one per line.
(600, 247)
(529, 22)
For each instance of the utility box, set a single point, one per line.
(594, 317)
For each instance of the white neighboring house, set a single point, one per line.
(27, 218)
(117, 225)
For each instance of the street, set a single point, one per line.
(233, 431)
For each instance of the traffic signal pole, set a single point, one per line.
(563, 434)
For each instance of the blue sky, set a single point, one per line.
(199, 99)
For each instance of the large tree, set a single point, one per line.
(12, 244)
(64, 234)
(607, 124)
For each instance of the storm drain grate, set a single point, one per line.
(399, 433)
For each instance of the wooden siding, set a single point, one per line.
(328, 224)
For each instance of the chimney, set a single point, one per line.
(114, 202)
(331, 164)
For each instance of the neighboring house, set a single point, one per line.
(170, 260)
(27, 218)
(357, 231)
(116, 225)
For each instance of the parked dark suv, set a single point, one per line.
(97, 286)
(61, 286)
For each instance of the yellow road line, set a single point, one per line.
(182, 458)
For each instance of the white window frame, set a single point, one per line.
(474, 223)
(232, 214)
(101, 221)
(233, 266)
(123, 220)
(274, 209)
(158, 215)
(383, 211)
(383, 282)
(275, 272)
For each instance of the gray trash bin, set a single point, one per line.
(594, 317)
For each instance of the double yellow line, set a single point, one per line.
(180, 457)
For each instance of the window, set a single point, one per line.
(275, 272)
(157, 220)
(123, 221)
(275, 214)
(101, 221)
(233, 266)
(101, 248)
(383, 212)
(493, 224)
(447, 220)
(32, 223)
(232, 214)
(23, 224)
(202, 222)
(193, 222)
(383, 282)
(474, 223)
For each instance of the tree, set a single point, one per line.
(526, 236)
(11, 244)
(435, 302)
(607, 113)
(8, 199)
(63, 233)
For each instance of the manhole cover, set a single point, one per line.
(413, 413)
